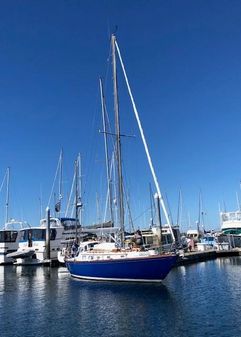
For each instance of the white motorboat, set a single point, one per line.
(230, 228)
(32, 247)
(9, 240)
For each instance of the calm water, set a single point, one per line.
(197, 300)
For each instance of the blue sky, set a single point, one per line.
(183, 62)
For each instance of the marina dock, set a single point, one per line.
(196, 256)
(187, 258)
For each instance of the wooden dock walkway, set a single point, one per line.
(196, 256)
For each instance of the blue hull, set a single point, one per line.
(148, 269)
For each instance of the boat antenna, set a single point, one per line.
(224, 206)
(145, 143)
(179, 208)
(61, 176)
(7, 194)
(199, 212)
(118, 142)
(238, 201)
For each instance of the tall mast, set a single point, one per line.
(179, 209)
(76, 196)
(238, 201)
(60, 176)
(107, 162)
(199, 212)
(7, 194)
(80, 189)
(118, 143)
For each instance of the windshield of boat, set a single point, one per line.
(8, 236)
(232, 231)
(37, 234)
(231, 216)
(87, 246)
(70, 223)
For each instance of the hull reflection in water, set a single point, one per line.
(198, 300)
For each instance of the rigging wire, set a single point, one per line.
(55, 177)
(70, 196)
(145, 143)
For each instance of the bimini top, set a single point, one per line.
(59, 222)
(192, 232)
(15, 225)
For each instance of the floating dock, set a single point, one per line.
(196, 256)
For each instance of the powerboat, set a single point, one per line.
(32, 248)
(9, 240)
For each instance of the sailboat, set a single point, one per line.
(116, 261)
(33, 241)
(72, 228)
(10, 233)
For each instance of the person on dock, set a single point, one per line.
(190, 245)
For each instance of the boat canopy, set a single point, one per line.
(67, 223)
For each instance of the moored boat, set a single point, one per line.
(10, 233)
(114, 260)
(230, 229)
(32, 248)
(105, 262)
(9, 240)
